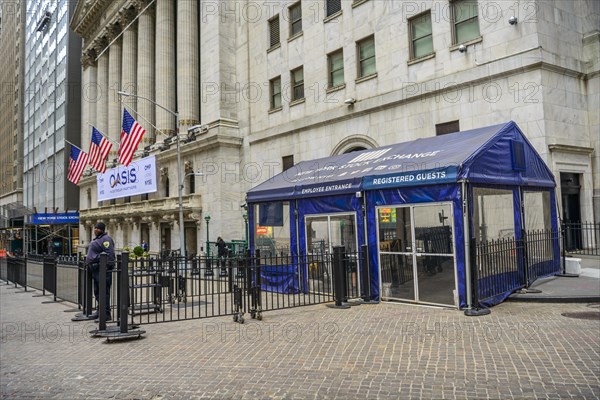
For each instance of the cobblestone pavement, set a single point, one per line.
(386, 351)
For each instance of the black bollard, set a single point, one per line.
(365, 276)
(338, 278)
(124, 292)
(102, 292)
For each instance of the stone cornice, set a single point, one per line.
(565, 148)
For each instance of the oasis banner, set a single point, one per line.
(138, 178)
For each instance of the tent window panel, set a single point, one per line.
(493, 214)
(537, 211)
(272, 231)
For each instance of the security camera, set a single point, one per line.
(462, 48)
(513, 20)
(350, 101)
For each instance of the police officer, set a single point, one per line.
(101, 243)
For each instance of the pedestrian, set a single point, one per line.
(222, 254)
(101, 243)
(144, 246)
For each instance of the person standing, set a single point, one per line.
(222, 254)
(144, 246)
(101, 243)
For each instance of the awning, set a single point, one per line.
(498, 154)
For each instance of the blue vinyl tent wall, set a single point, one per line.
(424, 170)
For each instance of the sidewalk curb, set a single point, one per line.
(554, 299)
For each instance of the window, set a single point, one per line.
(275, 87)
(274, 31)
(333, 6)
(447, 127)
(295, 18)
(166, 187)
(288, 162)
(336, 68)
(298, 84)
(366, 57)
(192, 183)
(421, 43)
(464, 16)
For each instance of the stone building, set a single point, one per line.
(264, 85)
(12, 42)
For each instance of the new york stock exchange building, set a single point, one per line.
(232, 93)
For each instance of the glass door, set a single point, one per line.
(416, 253)
(323, 233)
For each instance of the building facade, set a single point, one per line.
(51, 118)
(12, 41)
(276, 83)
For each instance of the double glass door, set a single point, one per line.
(416, 253)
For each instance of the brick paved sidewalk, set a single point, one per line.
(386, 351)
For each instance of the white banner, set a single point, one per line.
(138, 178)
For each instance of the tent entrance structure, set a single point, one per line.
(460, 220)
(323, 233)
(416, 253)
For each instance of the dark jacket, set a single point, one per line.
(221, 248)
(102, 243)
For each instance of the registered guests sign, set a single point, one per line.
(138, 178)
(412, 178)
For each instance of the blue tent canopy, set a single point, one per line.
(498, 154)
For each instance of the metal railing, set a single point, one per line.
(581, 238)
(504, 265)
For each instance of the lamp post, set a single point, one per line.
(207, 219)
(179, 178)
(245, 216)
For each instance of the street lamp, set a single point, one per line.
(245, 216)
(207, 219)
(179, 178)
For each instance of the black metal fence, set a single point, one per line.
(582, 238)
(504, 265)
(177, 288)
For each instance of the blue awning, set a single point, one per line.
(498, 154)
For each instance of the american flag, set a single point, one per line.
(99, 149)
(77, 163)
(131, 135)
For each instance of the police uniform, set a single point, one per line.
(102, 243)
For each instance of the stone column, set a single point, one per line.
(187, 64)
(165, 68)
(154, 227)
(129, 60)
(102, 85)
(114, 85)
(145, 72)
(88, 97)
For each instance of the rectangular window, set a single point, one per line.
(297, 84)
(295, 18)
(421, 36)
(366, 57)
(274, 31)
(333, 6)
(288, 162)
(447, 127)
(518, 155)
(465, 23)
(336, 68)
(275, 87)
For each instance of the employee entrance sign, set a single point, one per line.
(138, 178)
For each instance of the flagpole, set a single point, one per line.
(103, 134)
(73, 144)
(179, 180)
(145, 119)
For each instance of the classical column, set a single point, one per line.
(88, 97)
(114, 83)
(145, 72)
(187, 64)
(129, 60)
(165, 67)
(102, 85)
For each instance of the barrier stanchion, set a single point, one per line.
(365, 281)
(476, 309)
(338, 278)
(87, 297)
